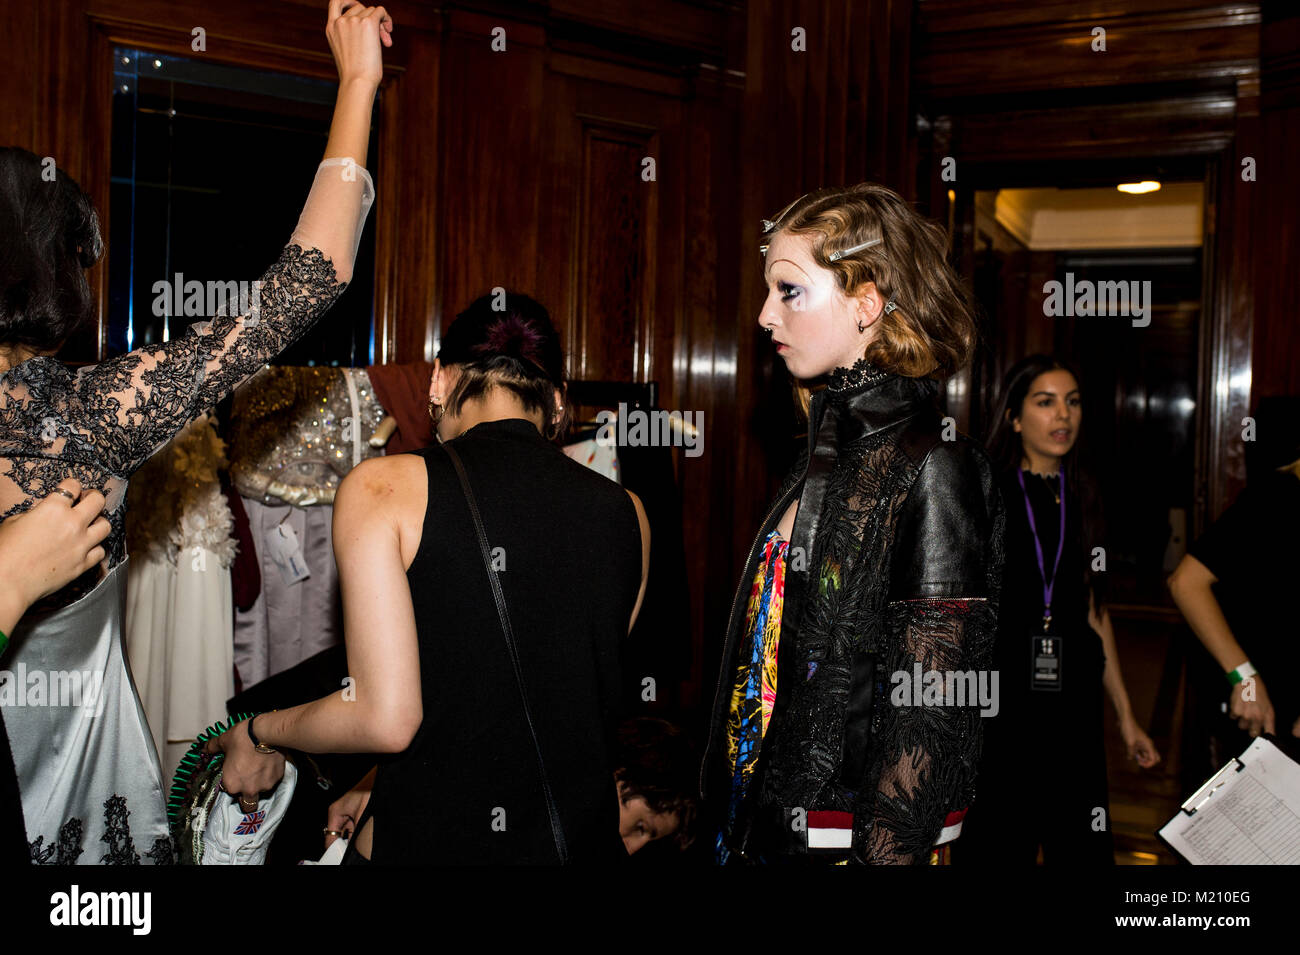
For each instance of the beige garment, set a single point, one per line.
(179, 618)
(179, 625)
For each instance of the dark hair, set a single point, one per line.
(506, 340)
(1006, 450)
(657, 762)
(49, 236)
(932, 331)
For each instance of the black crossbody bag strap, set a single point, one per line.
(557, 830)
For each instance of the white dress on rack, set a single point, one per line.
(179, 617)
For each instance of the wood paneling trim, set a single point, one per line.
(1214, 45)
(938, 17)
(1188, 126)
(618, 75)
(683, 25)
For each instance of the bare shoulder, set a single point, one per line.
(389, 491)
(381, 482)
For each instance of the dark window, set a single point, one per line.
(210, 168)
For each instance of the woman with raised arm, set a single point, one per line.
(91, 785)
(878, 562)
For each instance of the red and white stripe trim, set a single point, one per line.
(833, 830)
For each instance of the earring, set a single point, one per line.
(436, 402)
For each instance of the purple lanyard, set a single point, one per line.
(1038, 547)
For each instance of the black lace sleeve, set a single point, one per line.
(926, 753)
(133, 404)
(942, 620)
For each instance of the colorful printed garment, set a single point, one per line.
(755, 690)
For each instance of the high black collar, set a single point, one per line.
(864, 399)
(505, 427)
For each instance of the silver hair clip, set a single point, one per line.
(890, 306)
(836, 256)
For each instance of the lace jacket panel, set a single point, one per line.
(921, 760)
(100, 423)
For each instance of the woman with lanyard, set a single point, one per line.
(1042, 778)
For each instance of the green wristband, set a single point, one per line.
(1242, 672)
(4, 643)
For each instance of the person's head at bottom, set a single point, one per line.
(656, 784)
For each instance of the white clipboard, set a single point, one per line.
(1248, 813)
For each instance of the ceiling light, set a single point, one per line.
(1137, 188)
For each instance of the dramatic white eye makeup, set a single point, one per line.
(813, 325)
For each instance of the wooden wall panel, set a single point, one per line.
(1274, 202)
(490, 176)
(611, 335)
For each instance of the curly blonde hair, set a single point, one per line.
(932, 332)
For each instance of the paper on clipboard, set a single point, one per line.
(1248, 813)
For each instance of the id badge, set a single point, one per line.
(1047, 661)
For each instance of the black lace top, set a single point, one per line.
(100, 423)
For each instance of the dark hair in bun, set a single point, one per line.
(49, 236)
(506, 340)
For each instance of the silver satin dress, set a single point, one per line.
(91, 784)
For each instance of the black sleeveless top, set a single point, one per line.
(567, 547)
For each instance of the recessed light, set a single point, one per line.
(1137, 188)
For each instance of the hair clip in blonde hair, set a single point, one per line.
(890, 306)
(836, 256)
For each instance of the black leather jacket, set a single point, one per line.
(895, 559)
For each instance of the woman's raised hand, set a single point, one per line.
(355, 32)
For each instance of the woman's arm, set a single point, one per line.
(942, 616)
(643, 523)
(1136, 740)
(1190, 585)
(381, 708)
(131, 405)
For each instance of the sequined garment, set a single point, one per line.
(754, 694)
(296, 432)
